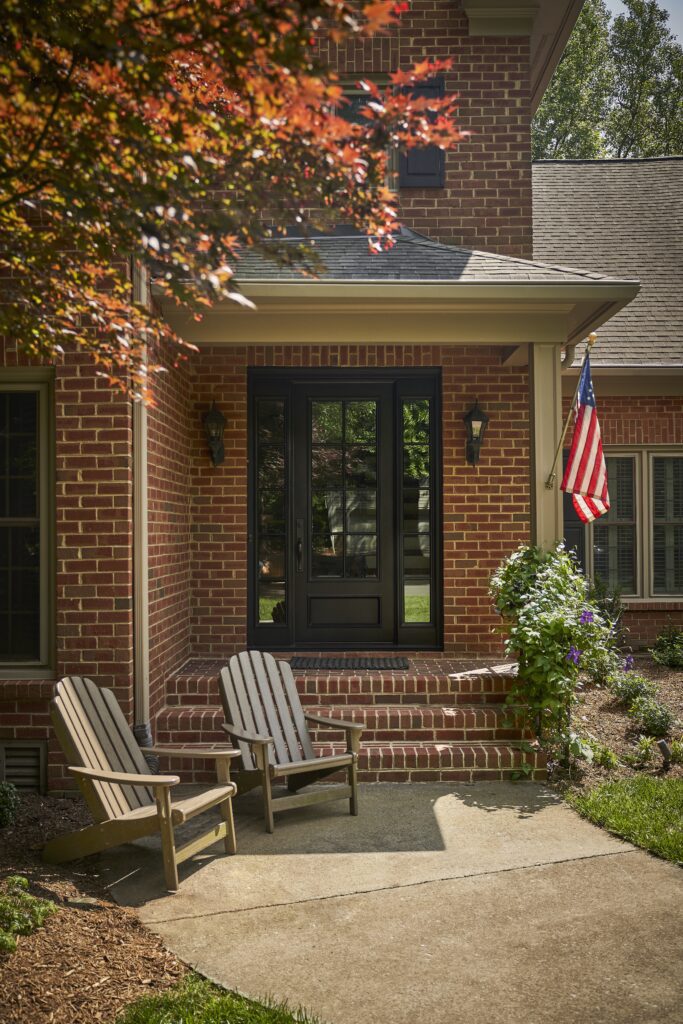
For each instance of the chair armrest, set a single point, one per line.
(191, 752)
(246, 737)
(124, 778)
(334, 723)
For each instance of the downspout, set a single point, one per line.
(141, 727)
(568, 358)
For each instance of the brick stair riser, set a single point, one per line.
(380, 725)
(340, 690)
(467, 763)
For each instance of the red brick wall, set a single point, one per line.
(168, 499)
(93, 508)
(485, 509)
(486, 203)
(643, 421)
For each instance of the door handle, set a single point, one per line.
(299, 546)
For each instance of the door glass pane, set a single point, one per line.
(361, 467)
(416, 602)
(416, 556)
(326, 468)
(361, 555)
(416, 509)
(327, 511)
(361, 423)
(361, 511)
(271, 511)
(328, 554)
(326, 422)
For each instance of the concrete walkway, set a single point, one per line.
(439, 904)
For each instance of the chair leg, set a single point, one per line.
(230, 841)
(261, 755)
(353, 783)
(167, 840)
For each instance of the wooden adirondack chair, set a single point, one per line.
(125, 799)
(264, 715)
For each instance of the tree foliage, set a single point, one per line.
(618, 89)
(170, 134)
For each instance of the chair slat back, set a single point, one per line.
(259, 697)
(94, 734)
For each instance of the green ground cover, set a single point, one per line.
(647, 811)
(196, 1001)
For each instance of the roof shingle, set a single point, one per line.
(623, 218)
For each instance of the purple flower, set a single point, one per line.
(574, 655)
(586, 617)
(629, 662)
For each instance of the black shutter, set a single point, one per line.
(423, 167)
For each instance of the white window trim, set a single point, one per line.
(41, 381)
(643, 456)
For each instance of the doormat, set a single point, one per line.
(388, 664)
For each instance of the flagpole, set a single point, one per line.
(590, 341)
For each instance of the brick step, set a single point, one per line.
(383, 723)
(426, 685)
(442, 762)
(413, 762)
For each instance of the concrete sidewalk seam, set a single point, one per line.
(391, 888)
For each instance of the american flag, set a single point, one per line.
(585, 477)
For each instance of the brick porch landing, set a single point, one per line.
(441, 719)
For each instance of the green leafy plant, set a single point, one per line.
(653, 718)
(676, 751)
(554, 631)
(627, 686)
(9, 804)
(668, 648)
(20, 912)
(603, 755)
(643, 753)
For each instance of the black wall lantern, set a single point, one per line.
(476, 422)
(214, 425)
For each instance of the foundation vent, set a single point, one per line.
(23, 764)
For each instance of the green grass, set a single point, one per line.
(196, 1001)
(646, 811)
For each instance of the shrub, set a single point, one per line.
(554, 632)
(9, 804)
(627, 686)
(20, 912)
(653, 718)
(668, 648)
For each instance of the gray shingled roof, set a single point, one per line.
(624, 218)
(413, 258)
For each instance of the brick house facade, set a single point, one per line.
(151, 556)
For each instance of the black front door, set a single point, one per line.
(343, 489)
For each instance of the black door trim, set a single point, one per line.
(408, 382)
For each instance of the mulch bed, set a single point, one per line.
(599, 715)
(92, 958)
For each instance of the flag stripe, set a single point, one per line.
(585, 476)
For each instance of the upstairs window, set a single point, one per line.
(25, 535)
